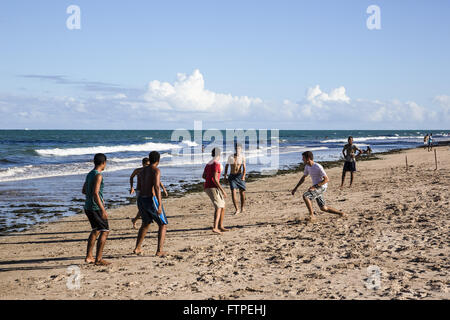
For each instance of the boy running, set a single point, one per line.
(145, 163)
(214, 190)
(320, 183)
(150, 205)
(237, 176)
(94, 208)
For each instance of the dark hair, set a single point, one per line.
(308, 155)
(154, 156)
(99, 159)
(145, 160)
(350, 137)
(237, 145)
(216, 151)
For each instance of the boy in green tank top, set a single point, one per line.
(94, 207)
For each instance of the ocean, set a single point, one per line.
(42, 171)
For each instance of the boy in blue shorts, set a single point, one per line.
(149, 204)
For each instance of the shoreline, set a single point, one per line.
(397, 221)
(188, 188)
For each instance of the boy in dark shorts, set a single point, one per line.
(349, 151)
(237, 176)
(94, 207)
(149, 204)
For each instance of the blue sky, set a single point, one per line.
(280, 64)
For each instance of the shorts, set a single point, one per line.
(148, 207)
(350, 166)
(96, 220)
(216, 197)
(236, 181)
(316, 194)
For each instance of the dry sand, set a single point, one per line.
(398, 222)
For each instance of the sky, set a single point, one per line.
(232, 64)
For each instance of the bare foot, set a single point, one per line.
(243, 210)
(343, 215)
(89, 260)
(237, 212)
(223, 229)
(102, 263)
(138, 252)
(161, 253)
(133, 221)
(311, 219)
(216, 231)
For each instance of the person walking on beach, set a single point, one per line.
(214, 190)
(150, 205)
(94, 207)
(425, 141)
(237, 176)
(430, 142)
(145, 163)
(316, 191)
(349, 151)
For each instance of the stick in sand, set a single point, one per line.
(435, 159)
(406, 157)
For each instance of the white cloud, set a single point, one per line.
(317, 97)
(188, 93)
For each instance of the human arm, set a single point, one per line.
(216, 180)
(321, 183)
(157, 188)
(226, 171)
(83, 191)
(164, 189)
(244, 170)
(302, 179)
(135, 172)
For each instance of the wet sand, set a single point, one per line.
(398, 224)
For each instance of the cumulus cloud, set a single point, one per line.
(317, 97)
(188, 93)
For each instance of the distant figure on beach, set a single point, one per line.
(237, 176)
(430, 142)
(214, 190)
(145, 163)
(320, 183)
(94, 207)
(368, 151)
(425, 141)
(349, 151)
(150, 204)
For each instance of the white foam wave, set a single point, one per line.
(149, 146)
(362, 139)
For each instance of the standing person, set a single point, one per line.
(237, 176)
(320, 183)
(150, 205)
(425, 141)
(145, 163)
(214, 190)
(430, 142)
(94, 207)
(350, 162)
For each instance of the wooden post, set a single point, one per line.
(406, 157)
(435, 159)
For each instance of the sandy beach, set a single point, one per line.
(398, 223)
